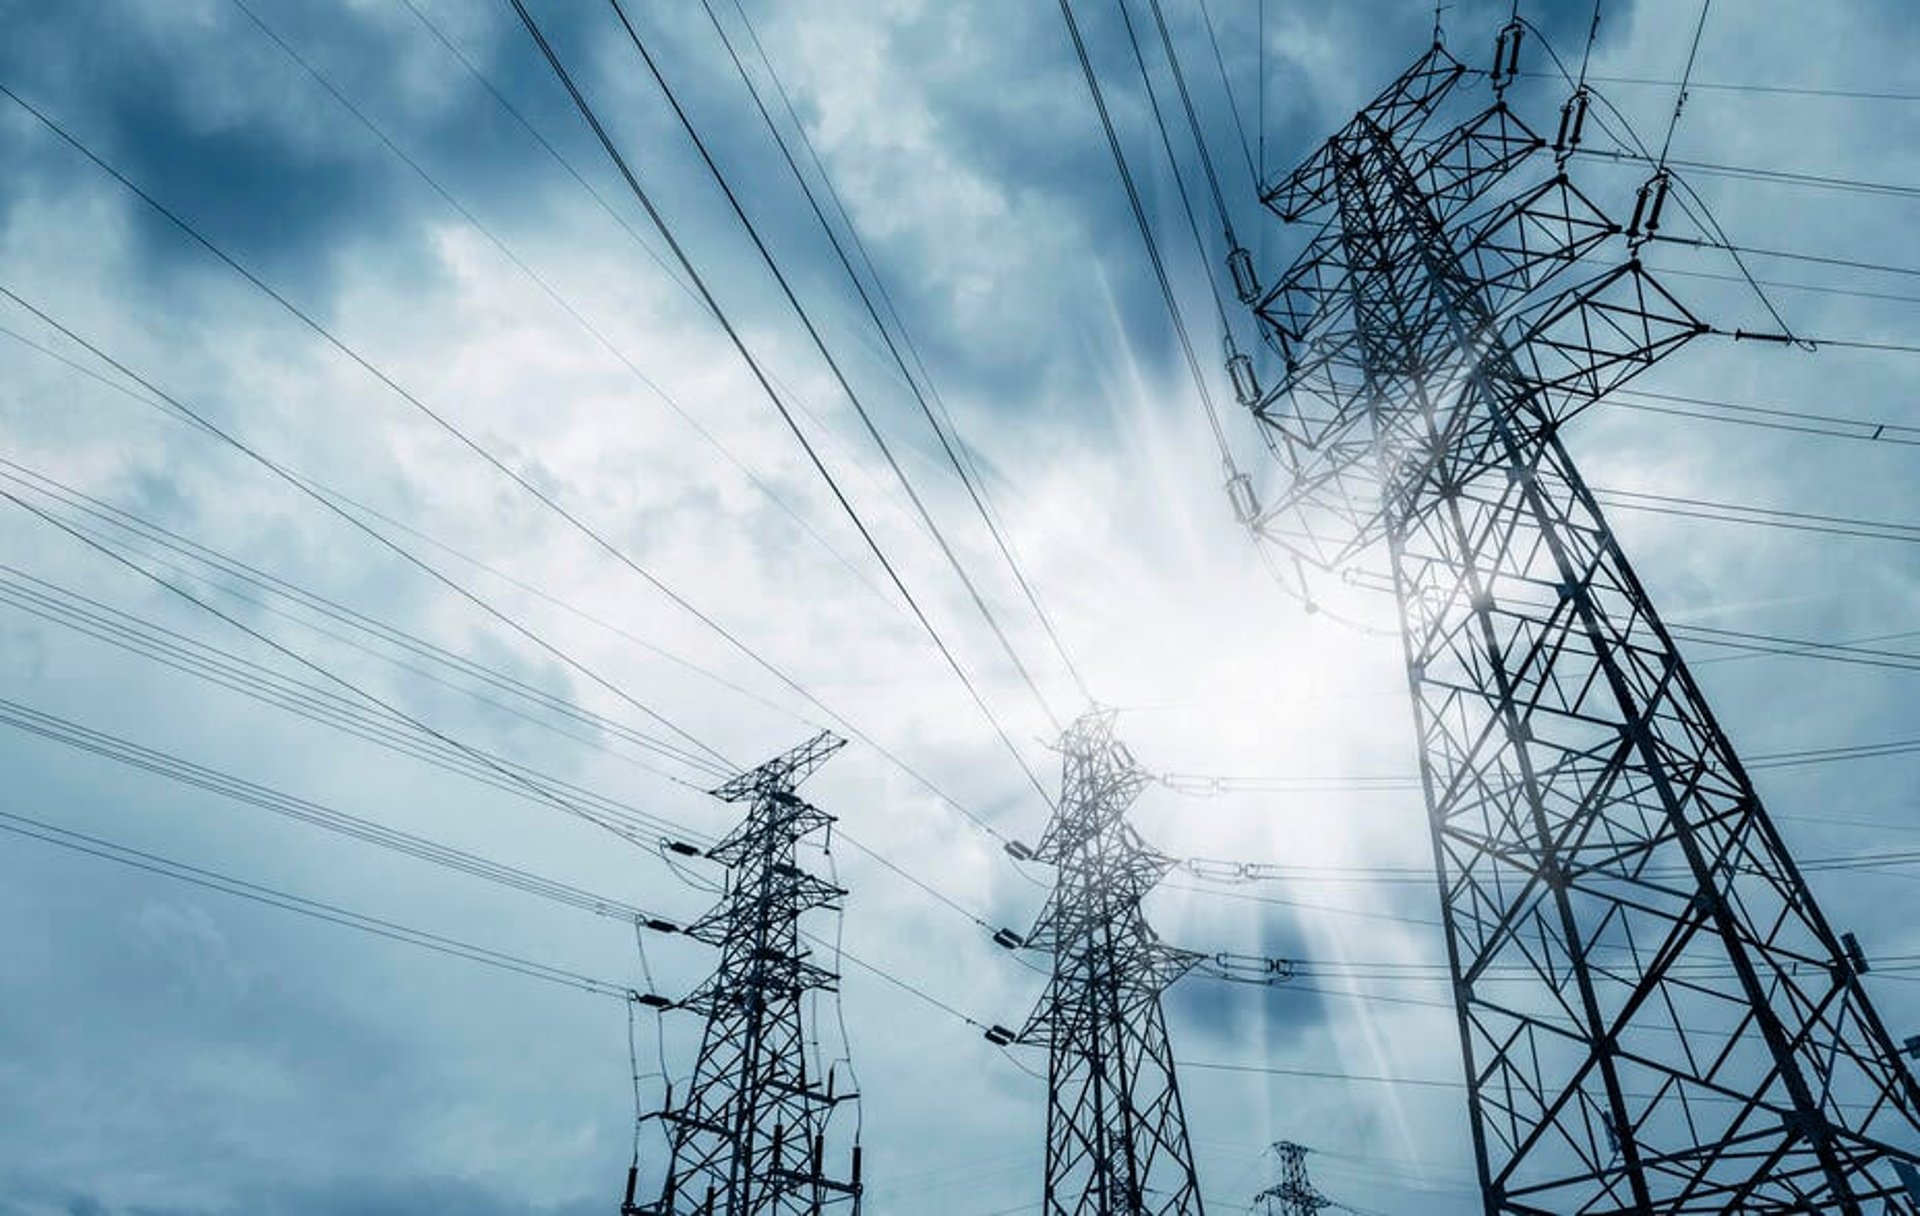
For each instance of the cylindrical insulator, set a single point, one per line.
(1639, 209)
(1246, 506)
(1579, 119)
(1513, 51)
(1499, 55)
(856, 1165)
(1659, 200)
(1246, 284)
(633, 1180)
(1245, 386)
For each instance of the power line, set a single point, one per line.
(1789, 255)
(1226, 83)
(1179, 180)
(539, 280)
(1739, 87)
(211, 880)
(95, 505)
(1186, 104)
(311, 702)
(1820, 181)
(672, 274)
(739, 344)
(1836, 652)
(846, 387)
(1799, 521)
(957, 451)
(675, 597)
(1789, 285)
(1772, 418)
(203, 423)
(194, 556)
(1207, 784)
(900, 362)
(440, 420)
(546, 794)
(1680, 94)
(314, 814)
(1145, 229)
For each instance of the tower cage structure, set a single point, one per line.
(1654, 1013)
(1117, 1140)
(1294, 1194)
(750, 1135)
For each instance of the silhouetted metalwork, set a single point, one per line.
(1116, 1133)
(1655, 1015)
(750, 1136)
(1294, 1194)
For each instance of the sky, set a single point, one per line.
(411, 180)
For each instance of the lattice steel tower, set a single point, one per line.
(750, 1136)
(1294, 1194)
(1116, 1133)
(1656, 1017)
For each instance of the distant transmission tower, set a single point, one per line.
(1116, 1134)
(750, 1136)
(1656, 1017)
(1294, 1194)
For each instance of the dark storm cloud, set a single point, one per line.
(134, 988)
(1216, 1019)
(370, 1197)
(224, 127)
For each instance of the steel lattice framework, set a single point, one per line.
(1116, 1134)
(749, 1138)
(1655, 1015)
(1294, 1194)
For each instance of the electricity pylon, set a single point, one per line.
(749, 1138)
(1655, 1015)
(1116, 1133)
(1294, 1194)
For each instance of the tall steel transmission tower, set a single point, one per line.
(750, 1136)
(1655, 1015)
(1294, 1194)
(1116, 1133)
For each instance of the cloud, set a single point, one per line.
(185, 1052)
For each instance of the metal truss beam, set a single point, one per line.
(1655, 1015)
(749, 1136)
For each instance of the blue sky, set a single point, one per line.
(165, 1049)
